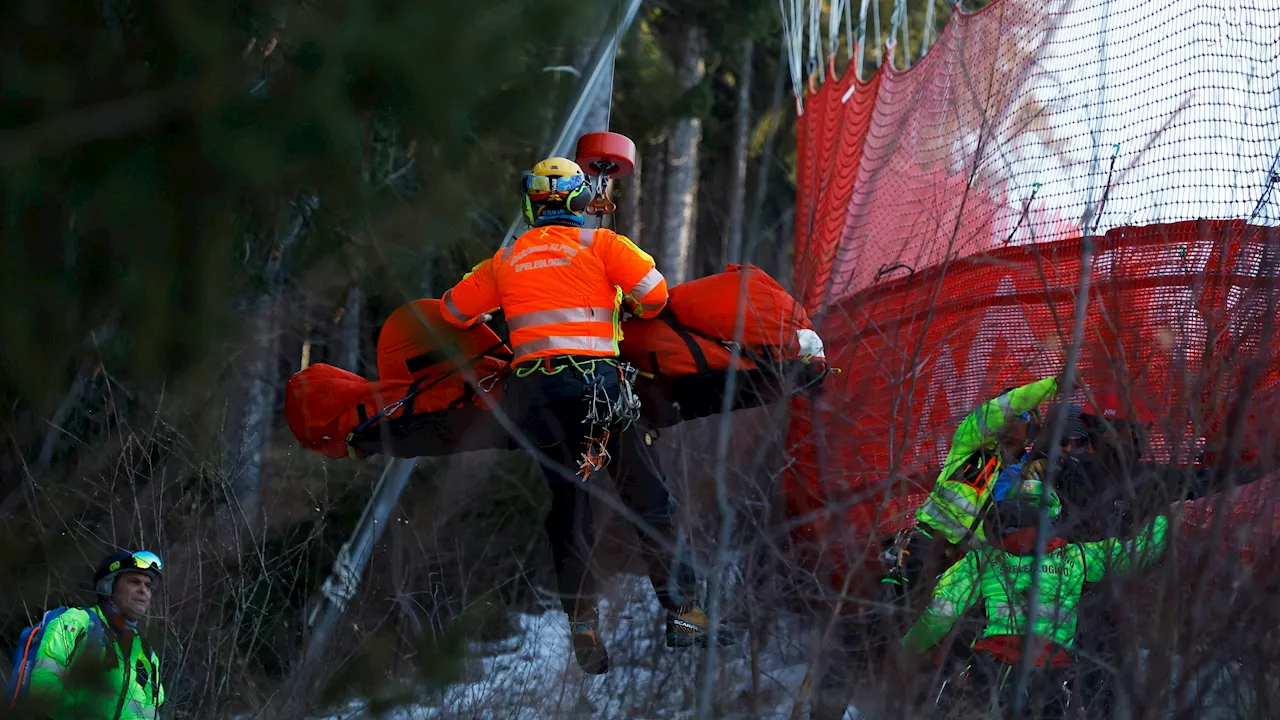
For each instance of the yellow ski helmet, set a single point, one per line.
(556, 189)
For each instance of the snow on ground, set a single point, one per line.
(532, 675)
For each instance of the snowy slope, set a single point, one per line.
(532, 675)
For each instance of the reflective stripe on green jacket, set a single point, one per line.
(954, 504)
(1003, 580)
(119, 691)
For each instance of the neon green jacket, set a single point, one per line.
(119, 691)
(1003, 579)
(959, 497)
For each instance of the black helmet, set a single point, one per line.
(104, 579)
(1075, 433)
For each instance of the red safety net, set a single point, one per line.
(940, 216)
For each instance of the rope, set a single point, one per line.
(895, 21)
(848, 31)
(815, 26)
(862, 37)
(875, 15)
(790, 12)
(834, 19)
(906, 35)
(929, 20)
(613, 66)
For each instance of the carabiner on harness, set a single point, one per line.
(606, 414)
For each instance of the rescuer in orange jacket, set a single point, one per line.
(562, 287)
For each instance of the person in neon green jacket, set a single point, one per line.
(102, 670)
(1000, 577)
(992, 436)
(999, 427)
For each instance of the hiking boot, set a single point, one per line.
(690, 625)
(588, 646)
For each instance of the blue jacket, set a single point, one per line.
(1007, 478)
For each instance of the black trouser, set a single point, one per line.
(550, 408)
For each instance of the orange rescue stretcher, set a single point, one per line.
(438, 385)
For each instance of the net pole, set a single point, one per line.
(601, 72)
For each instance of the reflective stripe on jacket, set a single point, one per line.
(1003, 580)
(959, 495)
(123, 691)
(560, 289)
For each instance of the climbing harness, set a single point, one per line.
(605, 415)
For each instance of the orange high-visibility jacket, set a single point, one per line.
(561, 289)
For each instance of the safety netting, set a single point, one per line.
(943, 216)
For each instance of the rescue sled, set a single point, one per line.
(684, 354)
(438, 385)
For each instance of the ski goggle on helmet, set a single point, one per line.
(556, 180)
(126, 561)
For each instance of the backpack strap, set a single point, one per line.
(93, 630)
(684, 333)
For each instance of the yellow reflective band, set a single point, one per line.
(617, 315)
(474, 268)
(635, 248)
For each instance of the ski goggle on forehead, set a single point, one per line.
(540, 187)
(141, 560)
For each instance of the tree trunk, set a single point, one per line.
(765, 167)
(597, 117)
(738, 158)
(248, 440)
(260, 404)
(349, 330)
(652, 197)
(628, 201)
(682, 168)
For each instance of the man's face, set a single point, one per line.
(1077, 446)
(132, 593)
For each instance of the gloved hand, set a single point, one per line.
(1035, 470)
